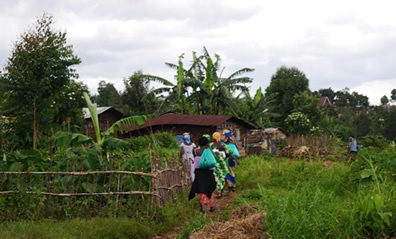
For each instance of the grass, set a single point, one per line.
(302, 199)
(307, 200)
(174, 213)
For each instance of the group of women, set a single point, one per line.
(211, 182)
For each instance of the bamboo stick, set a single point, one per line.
(83, 194)
(83, 173)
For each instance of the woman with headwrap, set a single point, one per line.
(219, 149)
(186, 154)
(232, 157)
(204, 183)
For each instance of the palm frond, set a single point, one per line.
(157, 79)
(240, 72)
(94, 116)
(120, 125)
(171, 65)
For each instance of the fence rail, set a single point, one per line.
(91, 193)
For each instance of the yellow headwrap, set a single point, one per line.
(216, 136)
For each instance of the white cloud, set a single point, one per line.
(335, 43)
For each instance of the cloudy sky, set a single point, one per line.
(336, 43)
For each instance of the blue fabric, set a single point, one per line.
(187, 140)
(234, 149)
(352, 146)
(231, 178)
(228, 135)
(231, 162)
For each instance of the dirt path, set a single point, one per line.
(220, 203)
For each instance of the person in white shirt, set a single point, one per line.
(186, 153)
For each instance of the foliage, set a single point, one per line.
(136, 98)
(345, 99)
(158, 140)
(298, 123)
(360, 125)
(393, 95)
(108, 95)
(306, 103)
(374, 141)
(201, 89)
(384, 100)
(36, 76)
(390, 125)
(254, 110)
(284, 85)
(298, 193)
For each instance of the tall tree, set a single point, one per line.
(285, 84)
(390, 125)
(108, 95)
(38, 70)
(393, 95)
(384, 100)
(136, 98)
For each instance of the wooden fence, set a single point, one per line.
(91, 193)
(318, 141)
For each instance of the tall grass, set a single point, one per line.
(310, 200)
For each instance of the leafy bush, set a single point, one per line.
(298, 123)
(158, 140)
(374, 141)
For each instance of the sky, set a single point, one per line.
(336, 43)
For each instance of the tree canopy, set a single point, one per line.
(38, 71)
(285, 84)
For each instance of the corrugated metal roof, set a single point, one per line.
(182, 119)
(99, 110)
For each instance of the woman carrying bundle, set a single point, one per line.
(204, 182)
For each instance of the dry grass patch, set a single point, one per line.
(244, 222)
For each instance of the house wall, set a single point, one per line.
(240, 131)
(106, 119)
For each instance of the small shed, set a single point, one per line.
(196, 125)
(107, 116)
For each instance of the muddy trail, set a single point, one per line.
(243, 222)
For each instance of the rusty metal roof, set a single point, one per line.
(182, 119)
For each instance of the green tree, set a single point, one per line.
(306, 103)
(108, 95)
(384, 100)
(361, 125)
(393, 95)
(37, 72)
(136, 98)
(390, 125)
(285, 84)
(254, 109)
(68, 107)
(201, 89)
(345, 99)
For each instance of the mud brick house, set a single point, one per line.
(196, 125)
(107, 116)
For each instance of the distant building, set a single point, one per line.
(324, 100)
(107, 116)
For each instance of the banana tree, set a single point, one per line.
(106, 138)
